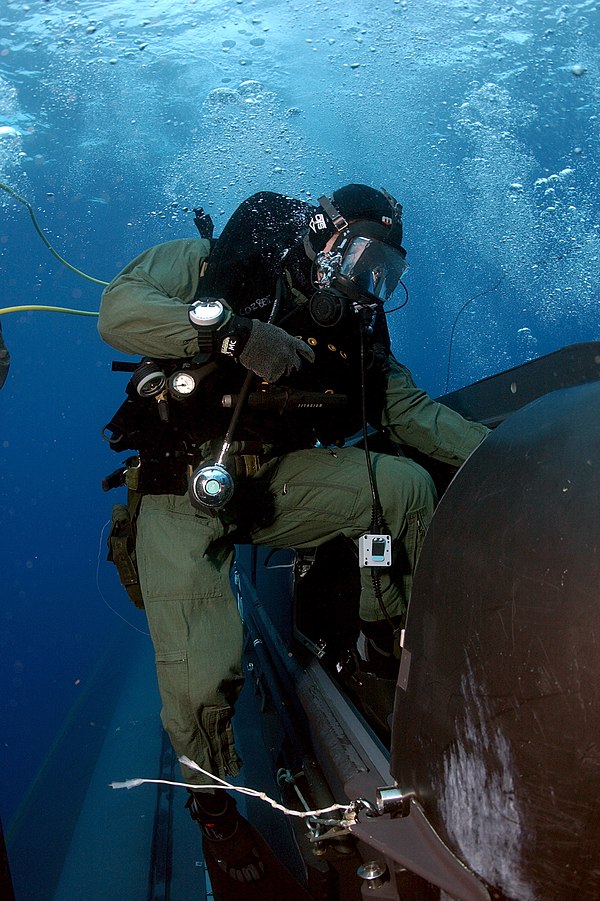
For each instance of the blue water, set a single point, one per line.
(115, 117)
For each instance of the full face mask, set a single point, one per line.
(361, 265)
(365, 261)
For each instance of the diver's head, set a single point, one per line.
(355, 243)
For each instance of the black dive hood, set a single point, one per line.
(352, 203)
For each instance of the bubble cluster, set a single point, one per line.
(529, 234)
(11, 133)
(461, 108)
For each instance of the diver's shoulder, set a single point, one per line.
(185, 247)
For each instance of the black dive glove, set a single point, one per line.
(266, 349)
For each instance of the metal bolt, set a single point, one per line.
(374, 873)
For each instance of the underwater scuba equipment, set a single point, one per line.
(361, 265)
(369, 267)
(328, 308)
(262, 347)
(204, 223)
(211, 485)
(149, 380)
(374, 550)
(356, 244)
(287, 399)
(209, 313)
(350, 204)
(344, 197)
(181, 384)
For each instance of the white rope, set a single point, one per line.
(223, 785)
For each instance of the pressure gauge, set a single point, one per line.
(181, 384)
(148, 379)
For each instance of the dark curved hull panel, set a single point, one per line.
(4, 359)
(497, 725)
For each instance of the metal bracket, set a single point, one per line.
(412, 842)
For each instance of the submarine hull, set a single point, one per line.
(496, 724)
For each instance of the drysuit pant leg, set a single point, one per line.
(195, 628)
(319, 494)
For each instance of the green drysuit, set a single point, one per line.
(318, 493)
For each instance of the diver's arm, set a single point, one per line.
(145, 308)
(411, 417)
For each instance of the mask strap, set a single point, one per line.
(336, 217)
(339, 222)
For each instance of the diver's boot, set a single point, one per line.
(379, 648)
(227, 837)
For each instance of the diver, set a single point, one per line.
(263, 351)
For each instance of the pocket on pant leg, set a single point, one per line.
(416, 529)
(216, 722)
(173, 682)
(171, 552)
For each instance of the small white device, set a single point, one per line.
(374, 550)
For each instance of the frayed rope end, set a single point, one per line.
(129, 783)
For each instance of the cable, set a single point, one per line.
(38, 229)
(32, 306)
(401, 305)
(377, 514)
(456, 318)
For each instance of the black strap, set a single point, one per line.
(204, 223)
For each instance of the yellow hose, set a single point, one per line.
(55, 253)
(48, 309)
